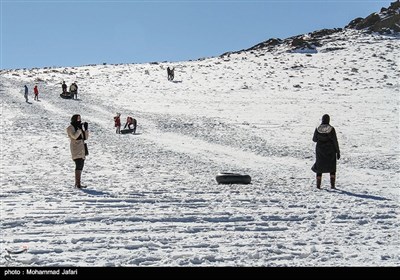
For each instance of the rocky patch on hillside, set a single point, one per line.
(387, 21)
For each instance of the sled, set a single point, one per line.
(67, 95)
(126, 131)
(232, 178)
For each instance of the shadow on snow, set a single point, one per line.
(94, 192)
(366, 196)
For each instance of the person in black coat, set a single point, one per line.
(64, 88)
(327, 151)
(170, 73)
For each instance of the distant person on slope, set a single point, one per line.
(327, 151)
(131, 123)
(117, 123)
(78, 133)
(36, 92)
(64, 88)
(170, 73)
(26, 93)
(73, 89)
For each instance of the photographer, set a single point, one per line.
(78, 133)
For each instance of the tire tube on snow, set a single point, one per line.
(126, 131)
(232, 178)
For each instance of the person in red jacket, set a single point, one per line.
(36, 92)
(117, 123)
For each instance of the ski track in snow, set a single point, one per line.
(152, 198)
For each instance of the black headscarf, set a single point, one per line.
(325, 119)
(74, 121)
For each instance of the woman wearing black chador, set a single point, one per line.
(327, 151)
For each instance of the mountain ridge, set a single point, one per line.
(386, 22)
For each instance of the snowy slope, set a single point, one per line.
(152, 198)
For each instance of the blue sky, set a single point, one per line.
(73, 33)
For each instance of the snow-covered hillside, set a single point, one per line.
(152, 198)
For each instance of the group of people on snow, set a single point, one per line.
(170, 73)
(78, 132)
(131, 123)
(35, 92)
(73, 90)
(327, 148)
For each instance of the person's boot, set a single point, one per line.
(333, 179)
(78, 178)
(319, 180)
(78, 174)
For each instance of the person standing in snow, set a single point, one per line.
(36, 92)
(169, 73)
(26, 93)
(117, 123)
(64, 88)
(74, 90)
(327, 151)
(78, 133)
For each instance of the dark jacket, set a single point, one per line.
(327, 149)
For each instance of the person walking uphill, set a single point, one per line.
(327, 151)
(26, 93)
(36, 92)
(78, 133)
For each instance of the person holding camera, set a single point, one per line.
(78, 133)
